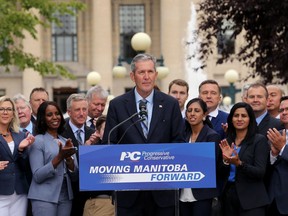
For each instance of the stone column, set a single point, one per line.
(31, 78)
(173, 29)
(101, 41)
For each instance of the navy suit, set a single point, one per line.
(166, 127)
(217, 122)
(79, 197)
(207, 134)
(13, 177)
(269, 122)
(278, 190)
(249, 179)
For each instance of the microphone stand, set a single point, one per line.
(139, 120)
(118, 125)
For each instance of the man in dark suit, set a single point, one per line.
(278, 190)
(164, 123)
(24, 113)
(210, 93)
(37, 97)
(76, 129)
(257, 96)
(97, 98)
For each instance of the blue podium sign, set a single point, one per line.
(147, 166)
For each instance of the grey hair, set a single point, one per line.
(74, 97)
(142, 57)
(97, 90)
(18, 97)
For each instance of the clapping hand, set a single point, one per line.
(93, 139)
(228, 151)
(67, 150)
(65, 153)
(3, 164)
(29, 140)
(277, 140)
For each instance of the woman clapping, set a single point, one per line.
(53, 164)
(13, 158)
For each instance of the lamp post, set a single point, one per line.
(232, 76)
(140, 42)
(93, 78)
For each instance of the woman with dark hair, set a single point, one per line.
(53, 164)
(100, 126)
(246, 152)
(13, 159)
(198, 202)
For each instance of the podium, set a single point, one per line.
(165, 166)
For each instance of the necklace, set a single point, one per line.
(5, 135)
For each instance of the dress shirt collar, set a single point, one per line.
(214, 114)
(29, 127)
(74, 128)
(261, 117)
(149, 99)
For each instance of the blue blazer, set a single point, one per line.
(278, 189)
(166, 127)
(13, 177)
(207, 134)
(217, 123)
(47, 182)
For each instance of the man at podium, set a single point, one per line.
(159, 120)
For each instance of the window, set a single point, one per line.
(2, 92)
(132, 20)
(225, 41)
(64, 39)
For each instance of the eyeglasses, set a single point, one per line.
(8, 110)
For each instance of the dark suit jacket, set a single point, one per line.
(217, 123)
(13, 177)
(207, 134)
(79, 197)
(68, 133)
(278, 189)
(249, 179)
(269, 122)
(166, 126)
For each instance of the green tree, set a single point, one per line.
(263, 23)
(18, 17)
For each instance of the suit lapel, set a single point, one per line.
(244, 147)
(263, 122)
(70, 134)
(202, 135)
(158, 105)
(5, 147)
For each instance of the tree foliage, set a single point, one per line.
(262, 23)
(17, 18)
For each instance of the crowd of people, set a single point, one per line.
(39, 161)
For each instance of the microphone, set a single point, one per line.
(143, 110)
(118, 125)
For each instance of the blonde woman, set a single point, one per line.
(13, 161)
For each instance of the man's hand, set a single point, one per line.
(94, 138)
(277, 140)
